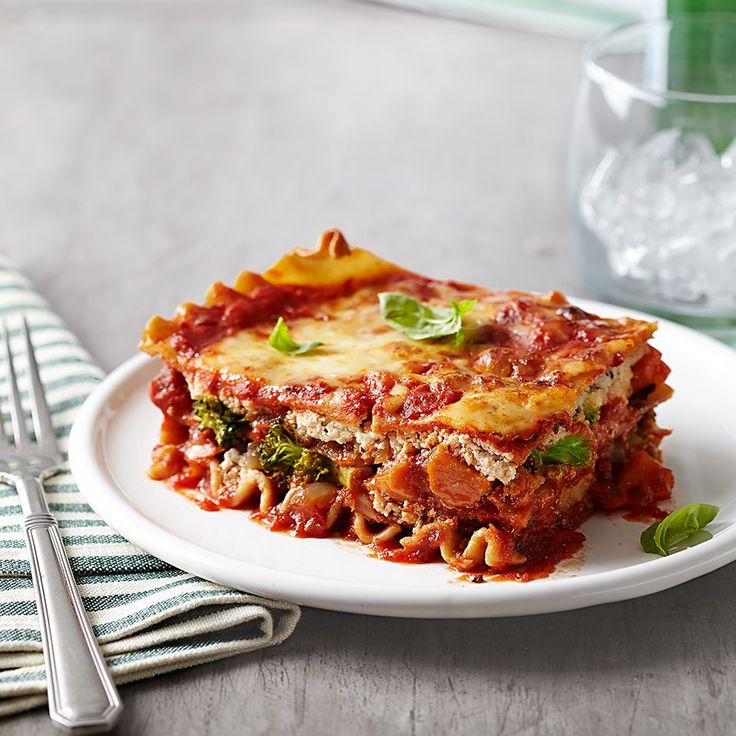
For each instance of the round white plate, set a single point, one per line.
(117, 427)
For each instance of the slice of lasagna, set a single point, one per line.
(339, 394)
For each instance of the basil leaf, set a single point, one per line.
(571, 450)
(682, 525)
(463, 306)
(647, 539)
(282, 341)
(420, 321)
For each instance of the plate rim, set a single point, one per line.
(548, 595)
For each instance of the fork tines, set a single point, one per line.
(43, 429)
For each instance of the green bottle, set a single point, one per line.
(701, 59)
(700, 6)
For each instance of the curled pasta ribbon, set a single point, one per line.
(333, 514)
(165, 462)
(442, 533)
(361, 504)
(448, 543)
(331, 244)
(491, 547)
(363, 515)
(317, 495)
(250, 482)
(363, 532)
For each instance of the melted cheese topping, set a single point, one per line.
(358, 342)
(507, 411)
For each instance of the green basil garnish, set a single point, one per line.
(283, 342)
(420, 321)
(677, 528)
(571, 450)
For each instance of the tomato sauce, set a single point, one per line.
(170, 393)
(301, 521)
(549, 549)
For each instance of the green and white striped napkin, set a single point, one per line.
(149, 618)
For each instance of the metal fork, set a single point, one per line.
(82, 695)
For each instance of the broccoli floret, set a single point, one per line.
(312, 466)
(279, 451)
(280, 454)
(227, 426)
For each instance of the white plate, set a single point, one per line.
(117, 427)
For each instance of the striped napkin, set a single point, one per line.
(149, 617)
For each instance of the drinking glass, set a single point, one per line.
(653, 169)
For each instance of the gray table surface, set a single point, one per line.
(149, 149)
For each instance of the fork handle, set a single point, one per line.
(82, 695)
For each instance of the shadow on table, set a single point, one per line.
(668, 629)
